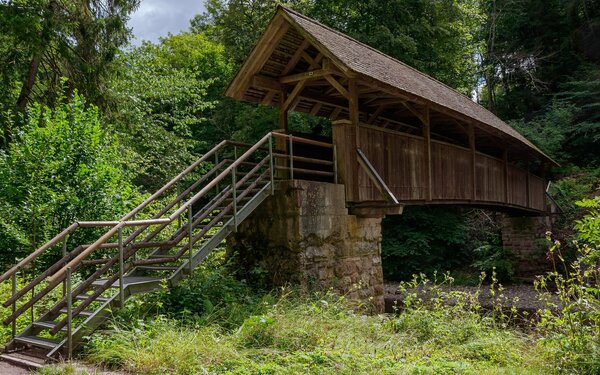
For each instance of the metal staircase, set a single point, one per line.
(156, 245)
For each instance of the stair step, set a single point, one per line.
(22, 360)
(99, 299)
(47, 325)
(130, 280)
(83, 313)
(37, 341)
(158, 268)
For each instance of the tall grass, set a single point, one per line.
(318, 334)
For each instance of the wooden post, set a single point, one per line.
(527, 187)
(505, 159)
(427, 145)
(344, 139)
(353, 108)
(283, 113)
(473, 165)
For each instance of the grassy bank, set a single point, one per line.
(320, 334)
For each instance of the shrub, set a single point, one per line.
(63, 165)
(571, 328)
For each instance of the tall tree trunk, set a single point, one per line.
(25, 94)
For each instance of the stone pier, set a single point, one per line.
(304, 235)
(525, 239)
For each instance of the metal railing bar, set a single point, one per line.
(375, 177)
(307, 171)
(74, 226)
(303, 140)
(282, 155)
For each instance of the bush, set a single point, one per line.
(571, 329)
(62, 166)
(423, 239)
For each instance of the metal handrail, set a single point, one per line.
(127, 247)
(75, 262)
(71, 229)
(375, 177)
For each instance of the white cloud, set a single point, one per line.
(158, 18)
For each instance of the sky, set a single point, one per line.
(158, 18)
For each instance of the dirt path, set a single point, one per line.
(9, 369)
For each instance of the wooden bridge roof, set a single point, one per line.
(295, 47)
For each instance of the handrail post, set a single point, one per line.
(132, 244)
(69, 314)
(233, 183)
(216, 163)
(335, 165)
(14, 304)
(64, 254)
(291, 151)
(271, 165)
(190, 238)
(121, 266)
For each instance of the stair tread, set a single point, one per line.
(130, 280)
(99, 299)
(83, 313)
(38, 341)
(21, 360)
(47, 324)
(159, 268)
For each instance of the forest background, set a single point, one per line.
(91, 124)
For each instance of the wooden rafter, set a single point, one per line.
(338, 86)
(293, 95)
(311, 74)
(295, 58)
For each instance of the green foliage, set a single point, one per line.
(549, 130)
(319, 334)
(494, 258)
(62, 166)
(423, 239)
(162, 101)
(572, 329)
(44, 40)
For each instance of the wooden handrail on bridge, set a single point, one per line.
(375, 177)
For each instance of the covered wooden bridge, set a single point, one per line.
(401, 137)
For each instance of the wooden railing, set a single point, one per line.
(458, 174)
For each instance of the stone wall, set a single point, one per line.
(525, 238)
(304, 235)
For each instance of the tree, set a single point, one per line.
(162, 101)
(45, 40)
(63, 166)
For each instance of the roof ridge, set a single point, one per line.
(376, 51)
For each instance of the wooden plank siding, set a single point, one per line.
(400, 160)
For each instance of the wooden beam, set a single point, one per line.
(314, 63)
(339, 87)
(376, 114)
(471, 133)
(295, 58)
(423, 116)
(336, 113)
(427, 145)
(258, 57)
(353, 106)
(505, 161)
(293, 95)
(283, 113)
(312, 74)
(268, 98)
(315, 109)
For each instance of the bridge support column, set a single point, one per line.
(525, 239)
(304, 235)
